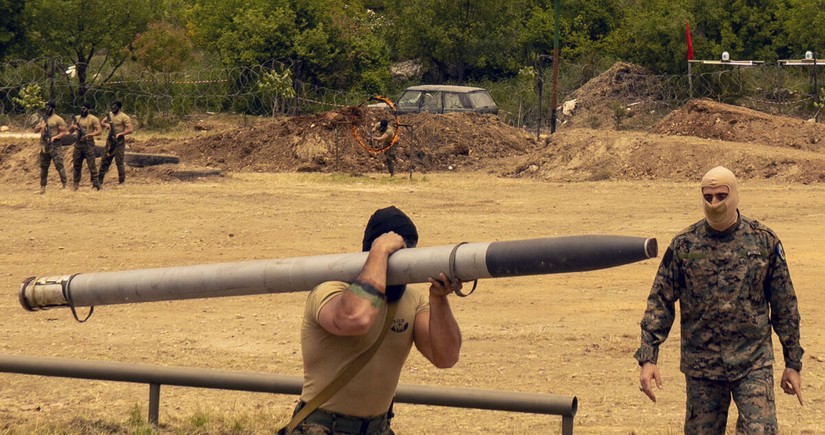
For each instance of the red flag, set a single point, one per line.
(689, 41)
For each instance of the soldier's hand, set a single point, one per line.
(388, 243)
(791, 383)
(649, 373)
(443, 286)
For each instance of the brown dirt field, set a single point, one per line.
(303, 186)
(570, 334)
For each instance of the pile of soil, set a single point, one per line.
(590, 155)
(712, 120)
(626, 96)
(325, 143)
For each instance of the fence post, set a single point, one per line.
(154, 404)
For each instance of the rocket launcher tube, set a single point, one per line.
(471, 261)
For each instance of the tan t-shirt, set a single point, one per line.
(55, 123)
(370, 392)
(89, 123)
(121, 121)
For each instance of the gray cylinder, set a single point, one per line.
(467, 262)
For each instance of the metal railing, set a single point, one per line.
(155, 376)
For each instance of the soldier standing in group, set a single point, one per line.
(119, 125)
(53, 128)
(386, 134)
(87, 127)
(731, 279)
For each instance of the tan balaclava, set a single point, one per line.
(723, 215)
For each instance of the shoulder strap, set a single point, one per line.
(344, 375)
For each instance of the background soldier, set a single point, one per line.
(53, 128)
(87, 126)
(119, 125)
(729, 274)
(385, 133)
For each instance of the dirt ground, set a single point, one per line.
(303, 186)
(569, 334)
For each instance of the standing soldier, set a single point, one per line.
(119, 125)
(87, 127)
(53, 128)
(386, 135)
(731, 279)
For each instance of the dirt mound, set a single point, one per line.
(688, 142)
(325, 143)
(584, 154)
(626, 96)
(711, 120)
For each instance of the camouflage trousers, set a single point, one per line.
(51, 153)
(84, 150)
(389, 156)
(117, 152)
(708, 402)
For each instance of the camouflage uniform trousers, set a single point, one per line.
(389, 155)
(708, 402)
(119, 156)
(85, 150)
(48, 153)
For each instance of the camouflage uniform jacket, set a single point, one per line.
(732, 286)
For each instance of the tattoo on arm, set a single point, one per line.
(366, 291)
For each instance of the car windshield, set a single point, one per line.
(409, 98)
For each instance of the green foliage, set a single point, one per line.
(81, 29)
(31, 97)
(619, 114)
(277, 87)
(335, 41)
(12, 26)
(163, 48)
(463, 40)
(652, 34)
(803, 21)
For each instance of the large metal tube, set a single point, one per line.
(468, 262)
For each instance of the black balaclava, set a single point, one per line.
(383, 221)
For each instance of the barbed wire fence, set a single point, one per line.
(770, 88)
(159, 99)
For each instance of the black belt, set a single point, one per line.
(347, 423)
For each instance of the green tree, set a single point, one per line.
(162, 48)
(334, 41)
(652, 34)
(460, 40)
(83, 29)
(803, 22)
(11, 25)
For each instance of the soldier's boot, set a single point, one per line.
(75, 186)
(42, 190)
(64, 184)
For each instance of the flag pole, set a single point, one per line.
(690, 81)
